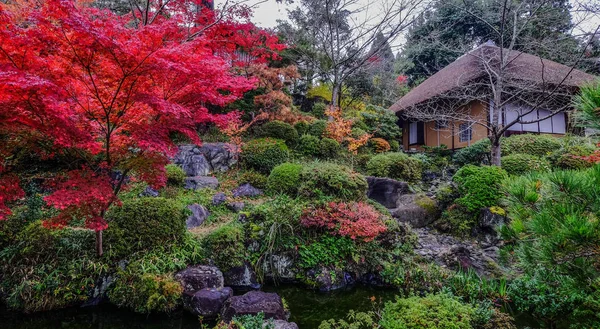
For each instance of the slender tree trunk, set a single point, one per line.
(99, 249)
(336, 94)
(495, 151)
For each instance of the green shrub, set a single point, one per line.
(250, 321)
(280, 130)
(285, 178)
(302, 127)
(476, 154)
(329, 148)
(253, 178)
(146, 293)
(395, 165)
(479, 187)
(175, 175)
(567, 158)
(394, 145)
(381, 122)
(264, 154)
(225, 246)
(47, 269)
(457, 221)
(357, 132)
(360, 124)
(329, 250)
(519, 164)
(317, 128)
(142, 224)
(323, 178)
(318, 110)
(309, 145)
(540, 145)
(440, 311)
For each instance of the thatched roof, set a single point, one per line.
(469, 67)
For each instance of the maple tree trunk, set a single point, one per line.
(496, 152)
(99, 249)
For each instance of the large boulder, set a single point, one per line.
(198, 216)
(200, 182)
(386, 191)
(219, 198)
(246, 190)
(252, 303)
(241, 278)
(206, 302)
(418, 210)
(199, 277)
(328, 279)
(280, 267)
(490, 219)
(210, 157)
(280, 324)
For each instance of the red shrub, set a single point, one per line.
(356, 220)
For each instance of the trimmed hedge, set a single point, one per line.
(540, 145)
(317, 128)
(285, 178)
(175, 175)
(264, 154)
(309, 145)
(280, 130)
(254, 178)
(329, 179)
(395, 165)
(519, 164)
(476, 154)
(330, 148)
(142, 224)
(479, 187)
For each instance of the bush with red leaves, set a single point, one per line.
(356, 220)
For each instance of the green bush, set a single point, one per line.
(324, 178)
(381, 122)
(476, 154)
(264, 154)
(225, 246)
(142, 224)
(47, 269)
(309, 145)
(479, 187)
(519, 164)
(457, 221)
(394, 145)
(318, 110)
(540, 145)
(317, 128)
(360, 124)
(285, 178)
(302, 127)
(440, 311)
(357, 132)
(395, 165)
(567, 158)
(175, 175)
(333, 251)
(280, 130)
(253, 178)
(329, 148)
(146, 293)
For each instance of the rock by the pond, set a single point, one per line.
(449, 252)
(100, 289)
(252, 303)
(219, 199)
(198, 277)
(415, 209)
(280, 324)
(246, 190)
(236, 206)
(241, 278)
(490, 219)
(149, 192)
(206, 302)
(198, 216)
(200, 182)
(327, 279)
(280, 267)
(386, 191)
(210, 157)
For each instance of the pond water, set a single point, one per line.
(308, 309)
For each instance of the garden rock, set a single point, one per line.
(386, 191)
(199, 277)
(448, 252)
(241, 278)
(149, 192)
(206, 302)
(210, 157)
(280, 267)
(198, 216)
(280, 324)
(100, 289)
(236, 206)
(416, 210)
(487, 230)
(328, 280)
(246, 190)
(252, 303)
(219, 198)
(200, 182)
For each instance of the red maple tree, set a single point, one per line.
(114, 88)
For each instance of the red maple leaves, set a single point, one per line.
(115, 88)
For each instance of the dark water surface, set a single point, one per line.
(308, 309)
